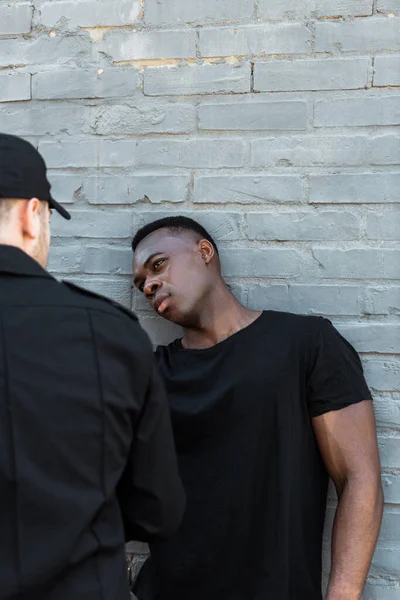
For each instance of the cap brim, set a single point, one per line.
(60, 209)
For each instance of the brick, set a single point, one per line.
(392, 6)
(303, 9)
(357, 112)
(161, 12)
(268, 297)
(141, 119)
(313, 74)
(389, 447)
(15, 19)
(391, 263)
(310, 150)
(11, 53)
(94, 224)
(356, 263)
(254, 116)
(385, 562)
(324, 299)
(195, 153)
(223, 226)
(15, 87)
(386, 150)
(306, 299)
(197, 79)
(383, 374)
(248, 189)
(159, 330)
(332, 225)
(372, 337)
(268, 262)
(363, 35)
(66, 259)
(85, 83)
(88, 153)
(146, 45)
(359, 263)
(383, 226)
(107, 260)
(118, 289)
(391, 488)
(355, 188)
(65, 187)
(90, 13)
(386, 71)
(62, 49)
(387, 414)
(281, 38)
(374, 591)
(326, 150)
(135, 188)
(43, 119)
(382, 300)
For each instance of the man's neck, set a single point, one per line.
(222, 316)
(7, 240)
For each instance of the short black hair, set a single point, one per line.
(178, 223)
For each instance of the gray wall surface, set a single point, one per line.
(274, 122)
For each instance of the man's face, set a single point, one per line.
(169, 270)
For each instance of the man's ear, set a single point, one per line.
(207, 251)
(30, 218)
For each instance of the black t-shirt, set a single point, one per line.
(255, 482)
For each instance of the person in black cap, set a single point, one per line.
(87, 458)
(25, 198)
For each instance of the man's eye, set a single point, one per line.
(158, 264)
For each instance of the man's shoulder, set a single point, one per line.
(296, 325)
(95, 301)
(299, 320)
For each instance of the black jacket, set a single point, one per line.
(86, 446)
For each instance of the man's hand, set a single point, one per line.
(348, 445)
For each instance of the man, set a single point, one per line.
(264, 407)
(86, 446)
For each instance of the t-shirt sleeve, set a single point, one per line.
(336, 379)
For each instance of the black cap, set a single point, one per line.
(23, 172)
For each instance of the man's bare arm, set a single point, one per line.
(348, 445)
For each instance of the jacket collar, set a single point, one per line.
(16, 262)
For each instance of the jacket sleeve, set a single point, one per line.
(150, 492)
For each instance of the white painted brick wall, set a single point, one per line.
(15, 18)
(274, 123)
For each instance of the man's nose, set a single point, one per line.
(151, 288)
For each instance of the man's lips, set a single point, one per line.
(160, 304)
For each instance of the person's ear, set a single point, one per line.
(30, 217)
(207, 251)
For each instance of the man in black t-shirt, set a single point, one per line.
(265, 406)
